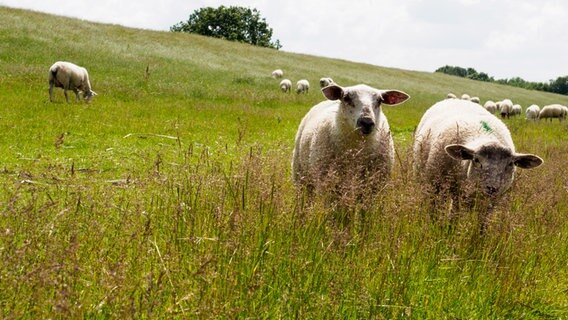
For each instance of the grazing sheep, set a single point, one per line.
(553, 111)
(505, 108)
(451, 96)
(532, 112)
(286, 85)
(278, 73)
(302, 86)
(490, 106)
(324, 82)
(464, 151)
(517, 110)
(475, 100)
(345, 144)
(70, 76)
(465, 96)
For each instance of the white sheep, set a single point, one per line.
(326, 81)
(462, 151)
(451, 96)
(278, 73)
(475, 100)
(553, 111)
(516, 110)
(302, 86)
(344, 144)
(286, 85)
(490, 106)
(505, 108)
(70, 76)
(465, 96)
(532, 112)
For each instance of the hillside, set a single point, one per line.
(170, 194)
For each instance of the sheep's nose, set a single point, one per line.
(366, 125)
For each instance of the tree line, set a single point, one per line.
(560, 85)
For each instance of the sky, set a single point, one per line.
(503, 38)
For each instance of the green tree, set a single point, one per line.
(560, 85)
(230, 23)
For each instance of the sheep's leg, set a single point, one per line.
(77, 95)
(65, 93)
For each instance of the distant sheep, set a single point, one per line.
(490, 106)
(532, 112)
(451, 96)
(553, 111)
(286, 85)
(302, 86)
(475, 100)
(70, 76)
(465, 96)
(277, 74)
(505, 108)
(517, 110)
(344, 144)
(324, 82)
(462, 150)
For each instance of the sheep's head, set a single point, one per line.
(360, 104)
(88, 95)
(492, 166)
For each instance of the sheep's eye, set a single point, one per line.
(347, 99)
(476, 162)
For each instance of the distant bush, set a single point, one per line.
(560, 85)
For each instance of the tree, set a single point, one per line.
(560, 85)
(230, 23)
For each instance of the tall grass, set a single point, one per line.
(170, 195)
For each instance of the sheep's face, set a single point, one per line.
(88, 96)
(491, 167)
(360, 105)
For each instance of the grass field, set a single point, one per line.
(170, 196)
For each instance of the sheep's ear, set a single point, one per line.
(393, 97)
(459, 152)
(527, 161)
(333, 92)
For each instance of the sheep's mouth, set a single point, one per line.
(365, 125)
(365, 130)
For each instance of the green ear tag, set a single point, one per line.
(486, 126)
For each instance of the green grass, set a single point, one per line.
(170, 196)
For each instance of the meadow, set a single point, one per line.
(170, 195)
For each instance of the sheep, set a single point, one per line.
(505, 108)
(465, 96)
(70, 76)
(475, 100)
(344, 144)
(532, 112)
(286, 85)
(278, 73)
(465, 152)
(324, 82)
(553, 111)
(516, 110)
(451, 96)
(490, 106)
(302, 86)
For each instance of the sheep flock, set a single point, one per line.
(344, 146)
(506, 108)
